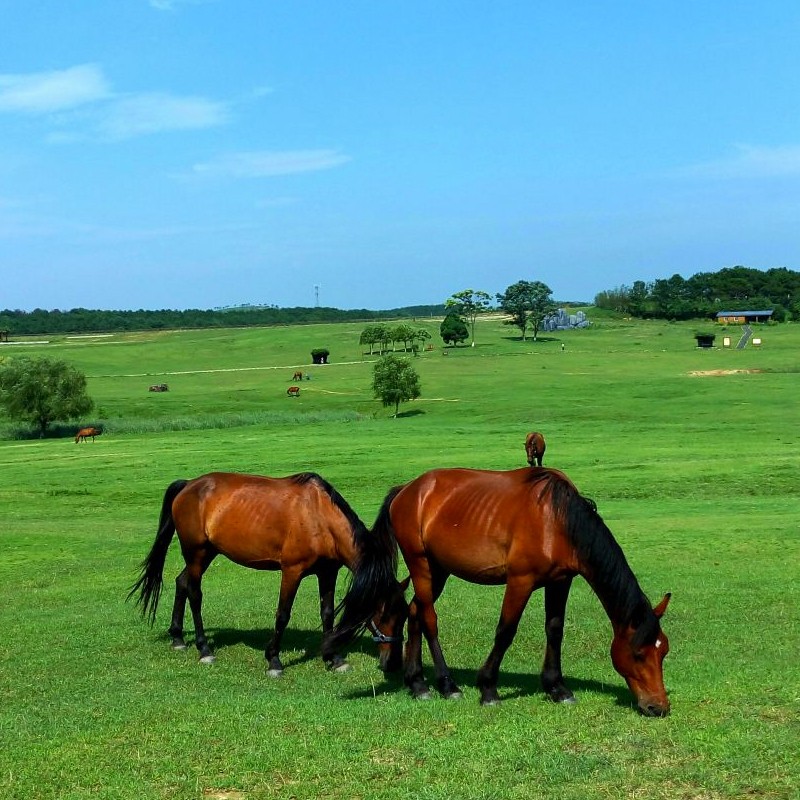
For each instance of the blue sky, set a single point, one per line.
(198, 153)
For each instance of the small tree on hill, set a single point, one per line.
(395, 381)
(453, 330)
(468, 304)
(40, 391)
(527, 303)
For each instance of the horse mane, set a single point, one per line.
(358, 528)
(608, 570)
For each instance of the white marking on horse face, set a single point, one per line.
(658, 643)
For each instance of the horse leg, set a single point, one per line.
(290, 581)
(327, 590)
(555, 605)
(194, 576)
(178, 611)
(517, 594)
(427, 623)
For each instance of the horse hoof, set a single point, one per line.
(489, 703)
(178, 646)
(208, 659)
(570, 700)
(274, 673)
(454, 696)
(343, 667)
(423, 696)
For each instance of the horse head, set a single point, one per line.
(386, 627)
(639, 658)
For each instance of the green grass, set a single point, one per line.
(695, 475)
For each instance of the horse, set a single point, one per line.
(534, 448)
(298, 524)
(159, 387)
(293, 391)
(526, 528)
(298, 376)
(84, 433)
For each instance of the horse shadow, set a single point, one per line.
(511, 686)
(298, 646)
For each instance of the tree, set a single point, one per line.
(453, 330)
(395, 381)
(42, 390)
(527, 303)
(468, 303)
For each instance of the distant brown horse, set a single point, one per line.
(84, 433)
(525, 528)
(298, 376)
(293, 391)
(534, 448)
(299, 525)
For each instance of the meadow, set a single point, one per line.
(691, 455)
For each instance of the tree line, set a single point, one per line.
(706, 293)
(83, 320)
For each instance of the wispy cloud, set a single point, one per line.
(137, 115)
(48, 92)
(750, 161)
(268, 163)
(79, 104)
(171, 5)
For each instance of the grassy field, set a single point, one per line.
(692, 456)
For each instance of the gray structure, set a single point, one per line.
(561, 321)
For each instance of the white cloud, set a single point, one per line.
(268, 163)
(141, 114)
(751, 161)
(47, 92)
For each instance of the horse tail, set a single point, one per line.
(372, 582)
(150, 580)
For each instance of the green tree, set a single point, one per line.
(395, 381)
(527, 303)
(40, 391)
(453, 330)
(468, 304)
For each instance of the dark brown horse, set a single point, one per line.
(299, 525)
(534, 448)
(84, 433)
(526, 528)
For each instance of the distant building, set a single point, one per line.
(743, 317)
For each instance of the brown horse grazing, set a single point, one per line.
(299, 525)
(534, 448)
(298, 376)
(525, 528)
(293, 391)
(84, 433)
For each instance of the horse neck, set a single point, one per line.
(600, 560)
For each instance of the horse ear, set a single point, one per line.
(662, 606)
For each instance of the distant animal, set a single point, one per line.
(534, 448)
(298, 376)
(84, 433)
(299, 525)
(525, 528)
(159, 387)
(293, 391)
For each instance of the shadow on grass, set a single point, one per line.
(511, 685)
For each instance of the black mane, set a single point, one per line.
(606, 567)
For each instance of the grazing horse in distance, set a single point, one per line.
(534, 448)
(298, 376)
(299, 525)
(293, 391)
(84, 433)
(525, 528)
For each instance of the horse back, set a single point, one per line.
(261, 522)
(481, 525)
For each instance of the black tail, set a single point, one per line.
(150, 580)
(373, 581)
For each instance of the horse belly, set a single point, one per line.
(478, 561)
